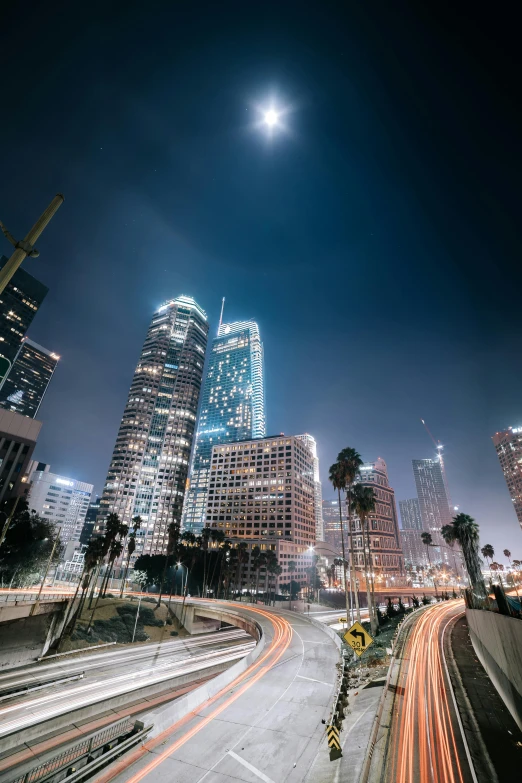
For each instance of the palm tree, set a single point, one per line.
(218, 537)
(254, 554)
(427, 539)
(190, 544)
(465, 531)
(242, 558)
(271, 560)
(338, 479)
(276, 570)
(131, 547)
(363, 503)
(487, 551)
(259, 562)
(292, 568)
(350, 461)
(206, 535)
(92, 556)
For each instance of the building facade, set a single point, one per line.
(508, 445)
(332, 524)
(385, 545)
(18, 436)
(149, 467)
(415, 552)
(19, 303)
(91, 516)
(61, 500)
(24, 387)
(310, 443)
(433, 504)
(232, 408)
(411, 518)
(261, 491)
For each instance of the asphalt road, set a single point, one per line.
(426, 742)
(111, 673)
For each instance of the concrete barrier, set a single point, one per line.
(497, 640)
(27, 631)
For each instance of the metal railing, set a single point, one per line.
(31, 597)
(84, 748)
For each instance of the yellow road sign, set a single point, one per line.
(333, 737)
(341, 620)
(358, 639)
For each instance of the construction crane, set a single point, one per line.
(439, 447)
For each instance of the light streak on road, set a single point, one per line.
(260, 667)
(29, 712)
(425, 742)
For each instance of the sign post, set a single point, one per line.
(358, 639)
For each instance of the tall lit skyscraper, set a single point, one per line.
(415, 553)
(431, 492)
(232, 407)
(63, 501)
(509, 451)
(24, 388)
(149, 468)
(19, 303)
(311, 445)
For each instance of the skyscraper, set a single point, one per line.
(410, 514)
(28, 379)
(61, 500)
(19, 303)
(148, 472)
(431, 492)
(232, 407)
(310, 443)
(509, 451)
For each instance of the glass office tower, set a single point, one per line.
(24, 388)
(232, 408)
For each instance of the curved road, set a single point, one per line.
(264, 726)
(425, 742)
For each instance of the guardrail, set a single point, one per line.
(30, 685)
(90, 749)
(30, 597)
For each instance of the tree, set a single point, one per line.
(465, 531)
(487, 551)
(131, 547)
(258, 562)
(172, 547)
(363, 503)
(350, 461)
(427, 539)
(206, 535)
(338, 478)
(27, 544)
(242, 557)
(92, 556)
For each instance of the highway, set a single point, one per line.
(109, 674)
(425, 741)
(266, 725)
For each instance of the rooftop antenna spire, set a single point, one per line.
(221, 316)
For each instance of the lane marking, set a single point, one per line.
(251, 767)
(302, 677)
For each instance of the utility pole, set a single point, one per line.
(25, 247)
(37, 602)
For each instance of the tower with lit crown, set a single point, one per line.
(232, 407)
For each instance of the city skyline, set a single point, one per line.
(366, 223)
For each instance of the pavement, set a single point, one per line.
(266, 725)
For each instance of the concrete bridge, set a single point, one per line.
(29, 627)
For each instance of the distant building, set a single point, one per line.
(410, 514)
(415, 552)
(90, 521)
(332, 524)
(318, 490)
(19, 303)
(232, 408)
(261, 491)
(434, 504)
(508, 445)
(25, 385)
(63, 501)
(18, 436)
(148, 473)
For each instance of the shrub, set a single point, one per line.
(416, 602)
(169, 620)
(381, 618)
(426, 600)
(401, 608)
(174, 633)
(391, 611)
(147, 617)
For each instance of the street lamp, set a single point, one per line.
(271, 118)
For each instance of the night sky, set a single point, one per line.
(377, 241)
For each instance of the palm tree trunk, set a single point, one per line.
(257, 582)
(352, 558)
(95, 582)
(266, 586)
(348, 613)
(371, 607)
